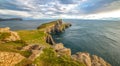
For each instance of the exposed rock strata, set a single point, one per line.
(61, 50)
(56, 27)
(83, 57)
(35, 49)
(89, 60)
(10, 58)
(49, 39)
(7, 35)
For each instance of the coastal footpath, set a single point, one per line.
(38, 48)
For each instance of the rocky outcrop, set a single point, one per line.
(6, 35)
(98, 61)
(89, 60)
(60, 26)
(35, 49)
(55, 26)
(49, 39)
(10, 58)
(83, 57)
(61, 50)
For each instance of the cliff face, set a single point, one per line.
(41, 53)
(49, 39)
(82, 57)
(6, 35)
(53, 27)
(61, 50)
(89, 60)
(57, 27)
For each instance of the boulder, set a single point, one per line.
(10, 58)
(58, 46)
(65, 51)
(6, 35)
(61, 50)
(6, 29)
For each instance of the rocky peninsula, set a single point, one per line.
(38, 48)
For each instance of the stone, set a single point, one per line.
(89, 60)
(35, 49)
(10, 58)
(65, 51)
(35, 54)
(13, 36)
(61, 50)
(6, 29)
(98, 61)
(58, 46)
(49, 39)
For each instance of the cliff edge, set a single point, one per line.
(6, 35)
(38, 48)
(57, 27)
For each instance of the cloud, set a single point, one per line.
(111, 14)
(110, 7)
(57, 8)
(17, 13)
(93, 6)
(67, 1)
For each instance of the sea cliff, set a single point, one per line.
(38, 48)
(86, 58)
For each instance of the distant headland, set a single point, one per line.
(10, 19)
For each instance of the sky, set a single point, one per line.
(66, 9)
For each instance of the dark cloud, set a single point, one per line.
(67, 1)
(110, 7)
(11, 5)
(94, 6)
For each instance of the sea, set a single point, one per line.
(97, 37)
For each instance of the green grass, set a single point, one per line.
(14, 47)
(49, 58)
(46, 25)
(33, 37)
(24, 62)
(4, 35)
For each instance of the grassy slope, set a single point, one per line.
(33, 37)
(47, 58)
(50, 58)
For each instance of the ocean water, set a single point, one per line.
(99, 37)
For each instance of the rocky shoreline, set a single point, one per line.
(83, 57)
(46, 30)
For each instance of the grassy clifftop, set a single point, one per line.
(40, 36)
(39, 49)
